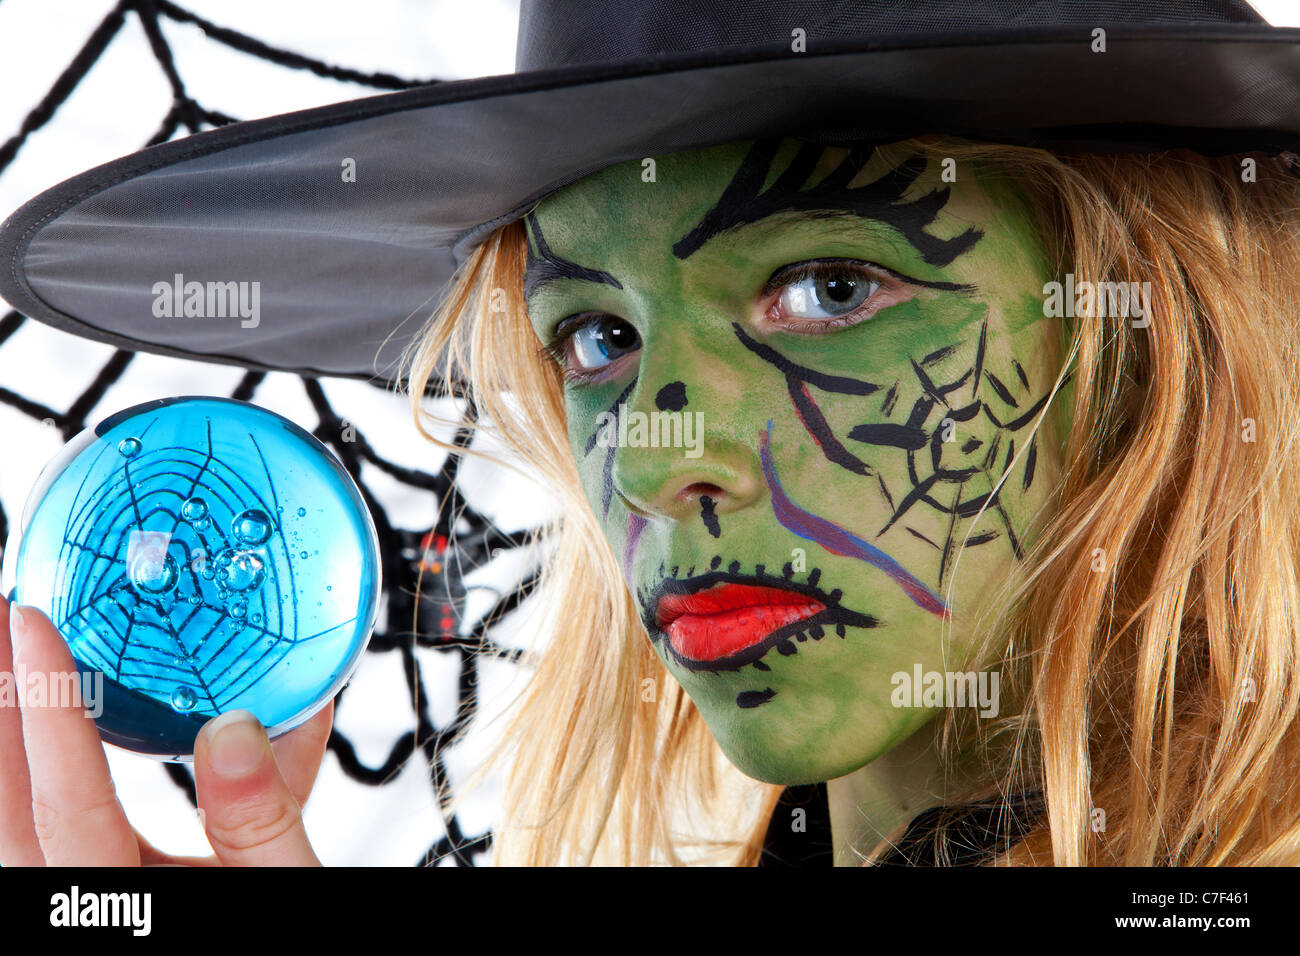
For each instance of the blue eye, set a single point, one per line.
(600, 340)
(827, 294)
(819, 296)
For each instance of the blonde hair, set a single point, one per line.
(1153, 640)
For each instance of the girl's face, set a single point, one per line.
(799, 382)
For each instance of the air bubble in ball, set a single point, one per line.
(194, 509)
(251, 526)
(246, 571)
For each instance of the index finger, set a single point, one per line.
(75, 811)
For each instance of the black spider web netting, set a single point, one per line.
(425, 602)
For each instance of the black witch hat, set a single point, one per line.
(318, 241)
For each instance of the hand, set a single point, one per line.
(58, 806)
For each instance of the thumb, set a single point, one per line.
(250, 815)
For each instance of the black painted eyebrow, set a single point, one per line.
(742, 203)
(545, 266)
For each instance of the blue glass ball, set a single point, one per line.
(204, 555)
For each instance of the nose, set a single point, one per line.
(712, 468)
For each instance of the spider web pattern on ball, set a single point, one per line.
(130, 635)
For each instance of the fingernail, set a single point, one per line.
(236, 743)
(17, 630)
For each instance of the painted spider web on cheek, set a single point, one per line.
(941, 413)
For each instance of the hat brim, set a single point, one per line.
(347, 271)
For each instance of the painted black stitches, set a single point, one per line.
(743, 201)
(753, 698)
(544, 266)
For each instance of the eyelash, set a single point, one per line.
(557, 348)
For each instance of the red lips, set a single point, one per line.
(724, 620)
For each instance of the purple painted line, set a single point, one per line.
(635, 525)
(838, 540)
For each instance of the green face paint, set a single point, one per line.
(795, 377)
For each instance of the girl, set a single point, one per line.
(913, 463)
